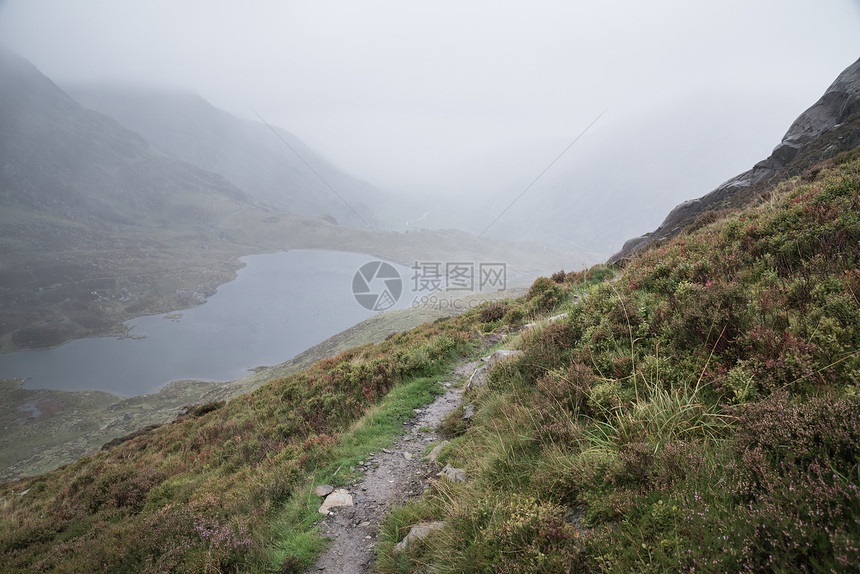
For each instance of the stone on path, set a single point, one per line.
(453, 474)
(417, 532)
(338, 498)
(478, 378)
(434, 454)
(501, 355)
(323, 490)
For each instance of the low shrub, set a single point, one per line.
(494, 312)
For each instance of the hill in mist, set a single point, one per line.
(99, 226)
(277, 170)
(70, 167)
(618, 180)
(825, 129)
(86, 202)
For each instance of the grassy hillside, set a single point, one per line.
(699, 411)
(203, 494)
(44, 429)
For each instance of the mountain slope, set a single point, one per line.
(93, 217)
(249, 154)
(82, 168)
(698, 413)
(830, 126)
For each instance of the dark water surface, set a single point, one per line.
(279, 305)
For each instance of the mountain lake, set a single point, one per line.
(279, 305)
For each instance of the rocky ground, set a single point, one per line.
(391, 477)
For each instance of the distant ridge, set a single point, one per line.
(247, 153)
(88, 173)
(830, 126)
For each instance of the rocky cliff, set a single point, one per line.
(830, 126)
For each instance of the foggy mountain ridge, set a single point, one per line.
(97, 226)
(586, 202)
(186, 126)
(618, 180)
(75, 166)
(830, 126)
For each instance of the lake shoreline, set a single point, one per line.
(278, 305)
(89, 419)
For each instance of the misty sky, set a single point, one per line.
(394, 90)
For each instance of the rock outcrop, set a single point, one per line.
(830, 126)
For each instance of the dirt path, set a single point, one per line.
(392, 477)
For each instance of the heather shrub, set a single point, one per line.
(795, 480)
(545, 295)
(566, 390)
(779, 360)
(605, 398)
(545, 348)
(494, 312)
(113, 486)
(515, 315)
(194, 538)
(201, 410)
(558, 276)
(520, 534)
(823, 430)
(591, 276)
